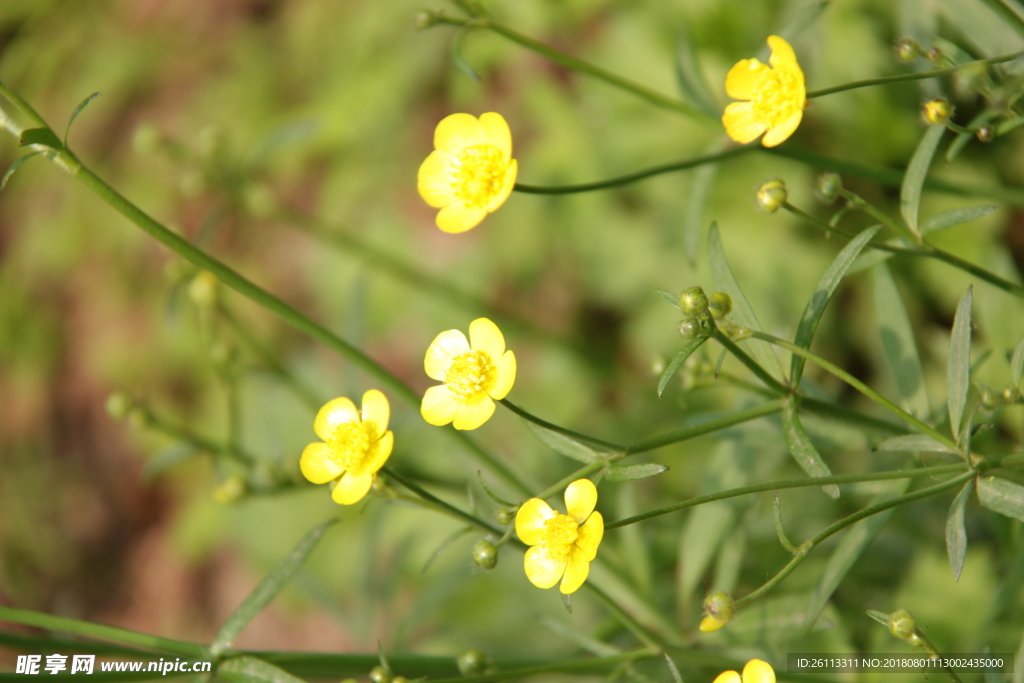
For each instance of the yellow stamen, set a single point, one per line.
(478, 173)
(471, 374)
(349, 444)
(561, 533)
(774, 97)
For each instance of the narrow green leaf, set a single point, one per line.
(803, 451)
(631, 472)
(14, 167)
(880, 617)
(913, 180)
(822, 294)
(1002, 496)
(40, 136)
(956, 217)
(676, 678)
(458, 58)
(1006, 126)
(246, 669)
(667, 296)
(1017, 364)
(898, 343)
(445, 544)
(492, 494)
(581, 640)
(912, 443)
(690, 76)
(677, 362)
(956, 532)
(78, 110)
(742, 313)
(701, 182)
(958, 371)
(267, 589)
(560, 443)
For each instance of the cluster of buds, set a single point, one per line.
(990, 399)
(697, 308)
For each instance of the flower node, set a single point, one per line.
(907, 49)
(829, 185)
(771, 196)
(937, 111)
(986, 133)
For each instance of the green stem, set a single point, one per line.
(568, 61)
(440, 505)
(936, 73)
(787, 484)
(633, 177)
(581, 665)
(858, 202)
(180, 433)
(631, 624)
(806, 548)
(615, 448)
(753, 365)
(703, 428)
(826, 409)
(859, 386)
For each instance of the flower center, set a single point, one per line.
(470, 375)
(478, 173)
(561, 533)
(349, 444)
(777, 97)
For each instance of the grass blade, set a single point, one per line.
(1002, 496)
(78, 110)
(560, 443)
(803, 451)
(898, 343)
(668, 296)
(677, 362)
(14, 167)
(956, 532)
(956, 217)
(246, 669)
(690, 76)
(632, 472)
(958, 371)
(913, 180)
(913, 443)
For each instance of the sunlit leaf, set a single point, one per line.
(956, 532)
(898, 343)
(913, 180)
(803, 451)
(567, 446)
(631, 472)
(667, 296)
(14, 167)
(1002, 496)
(1017, 364)
(677, 362)
(956, 217)
(958, 370)
(247, 669)
(40, 136)
(78, 110)
(913, 443)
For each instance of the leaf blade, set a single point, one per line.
(562, 444)
(633, 472)
(1017, 364)
(248, 669)
(958, 370)
(39, 136)
(1002, 496)
(803, 451)
(14, 167)
(956, 532)
(948, 219)
(78, 110)
(913, 179)
(913, 443)
(898, 343)
(677, 362)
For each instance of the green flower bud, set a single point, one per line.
(829, 185)
(119, 405)
(935, 55)
(693, 302)
(485, 554)
(901, 624)
(1011, 395)
(907, 49)
(986, 133)
(504, 516)
(718, 610)
(473, 663)
(720, 305)
(380, 675)
(771, 196)
(689, 328)
(937, 111)
(988, 399)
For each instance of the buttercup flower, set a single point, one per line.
(756, 671)
(471, 171)
(776, 95)
(475, 374)
(356, 445)
(562, 545)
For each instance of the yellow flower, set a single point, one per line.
(475, 374)
(358, 444)
(562, 545)
(756, 671)
(471, 171)
(776, 95)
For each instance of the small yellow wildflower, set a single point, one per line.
(562, 545)
(358, 444)
(776, 95)
(471, 171)
(756, 671)
(475, 374)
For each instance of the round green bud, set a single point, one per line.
(720, 305)
(424, 19)
(901, 624)
(988, 398)
(380, 675)
(472, 663)
(1011, 395)
(693, 301)
(829, 185)
(937, 111)
(504, 516)
(119, 405)
(907, 49)
(771, 196)
(485, 554)
(986, 133)
(689, 329)
(146, 139)
(719, 606)
(935, 55)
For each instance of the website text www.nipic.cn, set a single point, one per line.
(86, 664)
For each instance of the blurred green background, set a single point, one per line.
(220, 118)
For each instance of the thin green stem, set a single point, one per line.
(859, 386)
(606, 445)
(787, 484)
(806, 548)
(703, 428)
(826, 409)
(633, 177)
(580, 665)
(180, 433)
(441, 506)
(936, 73)
(753, 365)
(895, 225)
(627, 620)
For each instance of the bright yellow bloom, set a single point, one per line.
(756, 671)
(562, 545)
(358, 444)
(776, 95)
(471, 171)
(710, 623)
(475, 374)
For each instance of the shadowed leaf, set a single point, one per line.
(956, 533)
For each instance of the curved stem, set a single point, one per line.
(806, 548)
(561, 430)
(786, 484)
(634, 627)
(703, 428)
(753, 365)
(441, 506)
(936, 73)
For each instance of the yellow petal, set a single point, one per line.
(434, 180)
(472, 415)
(757, 671)
(378, 454)
(496, 133)
(744, 77)
(460, 216)
(334, 413)
(505, 376)
(542, 568)
(580, 499)
(484, 335)
(709, 624)
(590, 534)
(740, 123)
(458, 131)
(508, 182)
(727, 677)
(376, 411)
(317, 465)
(782, 57)
(442, 350)
(439, 405)
(576, 571)
(782, 131)
(351, 488)
(531, 521)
